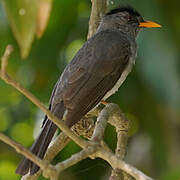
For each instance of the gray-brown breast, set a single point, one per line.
(94, 70)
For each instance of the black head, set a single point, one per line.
(128, 15)
(128, 9)
(125, 19)
(131, 17)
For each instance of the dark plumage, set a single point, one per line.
(128, 9)
(95, 73)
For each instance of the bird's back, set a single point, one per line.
(93, 71)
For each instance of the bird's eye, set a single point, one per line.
(130, 18)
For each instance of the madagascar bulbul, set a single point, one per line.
(96, 72)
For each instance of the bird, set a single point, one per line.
(96, 72)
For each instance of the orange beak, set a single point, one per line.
(149, 24)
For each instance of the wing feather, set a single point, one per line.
(92, 73)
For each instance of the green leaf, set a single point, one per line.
(43, 13)
(22, 17)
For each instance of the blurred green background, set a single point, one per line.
(150, 96)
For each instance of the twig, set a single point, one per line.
(102, 122)
(76, 158)
(83, 128)
(5, 57)
(113, 114)
(4, 61)
(20, 149)
(59, 143)
(44, 165)
(117, 163)
(121, 123)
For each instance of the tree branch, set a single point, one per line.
(121, 123)
(4, 61)
(98, 9)
(84, 128)
(20, 149)
(76, 158)
(117, 163)
(101, 124)
(44, 165)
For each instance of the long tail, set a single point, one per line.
(41, 144)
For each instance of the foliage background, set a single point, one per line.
(150, 96)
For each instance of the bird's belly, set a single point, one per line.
(120, 81)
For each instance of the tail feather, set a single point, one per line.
(44, 145)
(41, 144)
